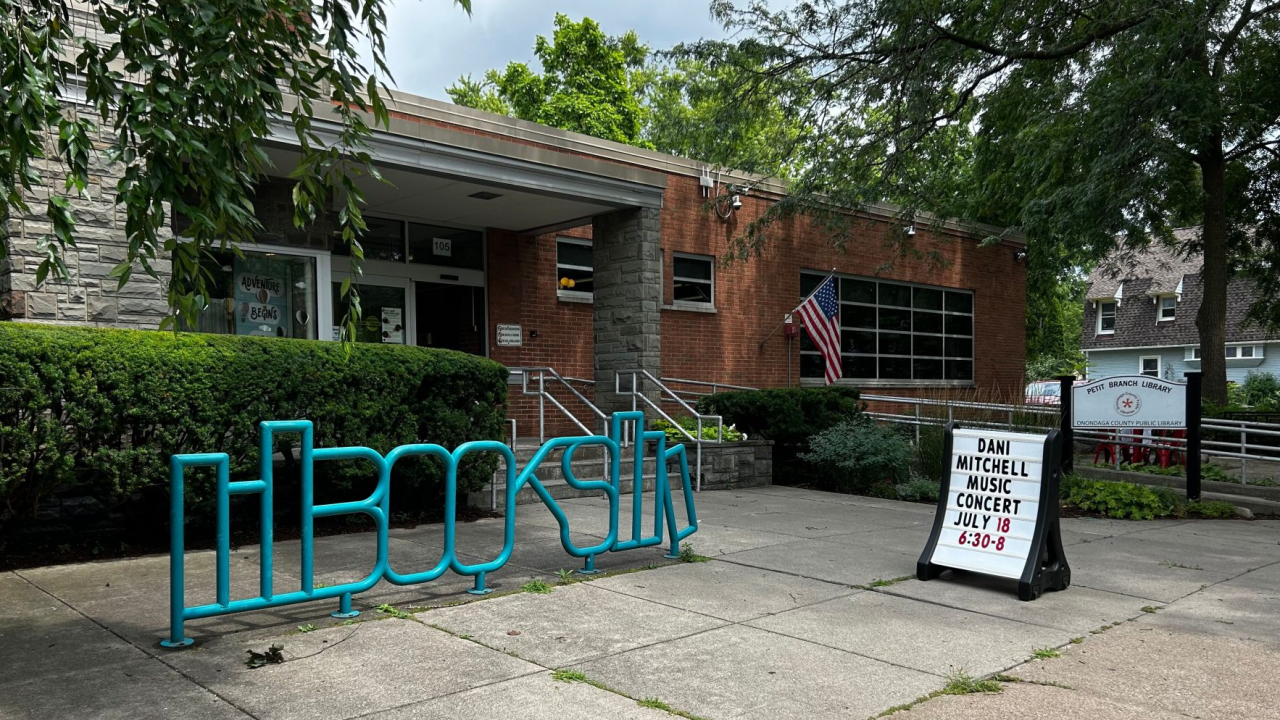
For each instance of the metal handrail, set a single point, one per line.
(713, 385)
(637, 395)
(1002, 407)
(545, 395)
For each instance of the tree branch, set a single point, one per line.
(1058, 53)
(1247, 15)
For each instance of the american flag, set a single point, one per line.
(819, 314)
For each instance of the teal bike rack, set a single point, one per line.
(378, 505)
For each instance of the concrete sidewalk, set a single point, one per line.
(802, 611)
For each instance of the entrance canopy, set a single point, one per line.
(459, 178)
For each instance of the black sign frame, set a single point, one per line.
(1046, 567)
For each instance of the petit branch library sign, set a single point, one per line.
(1129, 401)
(1125, 403)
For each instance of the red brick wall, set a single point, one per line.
(522, 277)
(752, 296)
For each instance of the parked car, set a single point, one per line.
(1044, 392)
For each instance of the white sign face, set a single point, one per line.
(393, 325)
(510, 336)
(1129, 401)
(442, 246)
(993, 502)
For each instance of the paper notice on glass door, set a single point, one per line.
(393, 325)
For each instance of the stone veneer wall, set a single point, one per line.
(731, 465)
(627, 324)
(89, 296)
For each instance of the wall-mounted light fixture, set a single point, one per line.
(1019, 257)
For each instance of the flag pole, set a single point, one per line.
(797, 307)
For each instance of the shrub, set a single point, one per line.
(1261, 390)
(858, 455)
(930, 458)
(709, 431)
(1120, 500)
(1210, 509)
(788, 417)
(102, 410)
(919, 489)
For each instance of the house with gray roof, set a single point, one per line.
(1140, 318)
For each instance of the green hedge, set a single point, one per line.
(98, 412)
(788, 417)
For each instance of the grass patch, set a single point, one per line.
(886, 583)
(687, 555)
(395, 612)
(1180, 566)
(569, 676)
(654, 704)
(1045, 653)
(537, 586)
(565, 576)
(960, 682)
(1151, 609)
(306, 628)
(1077, 640)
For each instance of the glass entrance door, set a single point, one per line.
(450, 317)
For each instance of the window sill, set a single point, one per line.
(691, 307)
(1106, 333)
(574, 297)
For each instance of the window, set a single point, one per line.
(574, 274)
(384, 240)
(267, 294)
(896, 331)
(1149, 366)
(1106, 318)
(693, 279)
(1233, 352)
(382, 313)
(1168, 307)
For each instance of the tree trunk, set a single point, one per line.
(1212, 318)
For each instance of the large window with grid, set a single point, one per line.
(896, 332)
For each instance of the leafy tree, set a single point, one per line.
(588, 83)
(685, 115)
(1095, 123)
(188, 91)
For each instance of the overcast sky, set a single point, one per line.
(432, 42)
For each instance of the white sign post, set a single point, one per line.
(998, 511)
(1129, 401)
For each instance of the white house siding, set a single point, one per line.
(1173, 363)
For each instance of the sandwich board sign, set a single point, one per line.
(998, 510)
(1127, 401)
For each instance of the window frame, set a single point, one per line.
(1160, 308)
(692, 304)
(1234, 351)
(1142, 361)
(323, 268)
(575, 295)
(911, 333)
(1115, 315)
